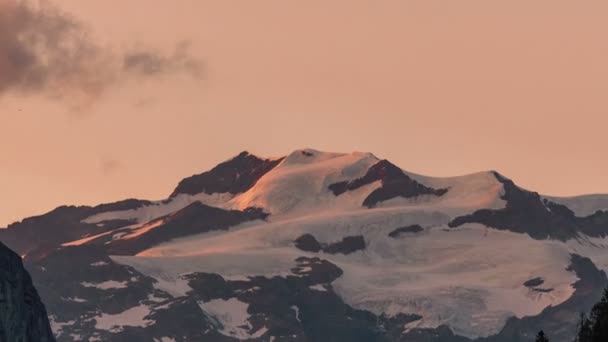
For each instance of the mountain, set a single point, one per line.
(23, 317)
(320, 246)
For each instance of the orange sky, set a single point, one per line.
(438, 87)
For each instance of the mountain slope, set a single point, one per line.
(320, 246)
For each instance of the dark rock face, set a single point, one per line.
(23, 317)
(194, 219)
(395, 183)
(534, 282)
(415, 228)
(233, 176)
(538, 289)
(527, 212)
(347, 245)
(308, 243)
(119, 206)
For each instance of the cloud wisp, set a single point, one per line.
(150, 63)
(46, 51)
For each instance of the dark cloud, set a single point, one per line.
(44, 50)
(149, 63)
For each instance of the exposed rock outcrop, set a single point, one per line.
(527, 212)
(233, 176)
(347, 245)
(395, 183)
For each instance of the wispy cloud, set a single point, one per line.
(46, 51)
(150, 63)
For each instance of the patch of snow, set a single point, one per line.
(99, 263)
(174, 285)
(118, 235)
(74, 299)
(259, 333)
(57, 327)
(253, 289)
(155, 299)
(133, 317)
(304, 269)
(231, 315)
(318, 287)
(107, 285)
(296, 309)
(165, 339)
(85, 239)
(141, 230)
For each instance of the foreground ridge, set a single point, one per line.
(23, 317)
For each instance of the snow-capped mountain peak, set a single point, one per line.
(370, 252)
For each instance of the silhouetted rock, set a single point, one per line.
(23, 317)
